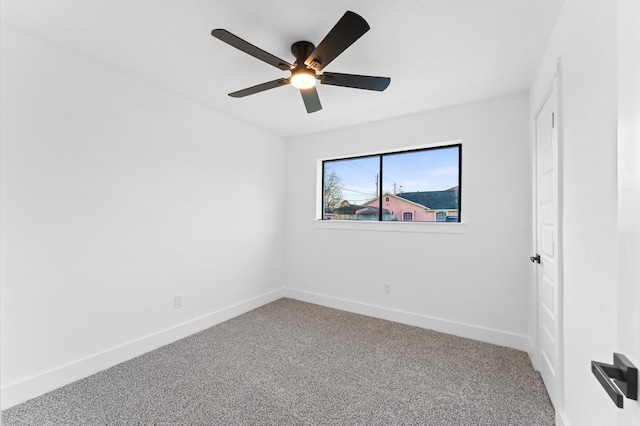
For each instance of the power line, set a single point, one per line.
(354, 191)
(362, 169)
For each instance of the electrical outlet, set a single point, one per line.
(387, 289)
(177, 302)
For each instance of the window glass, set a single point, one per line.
(347, 187)
(418, 185)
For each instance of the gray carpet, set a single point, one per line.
(294, 363)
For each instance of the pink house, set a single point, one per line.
(398, 208)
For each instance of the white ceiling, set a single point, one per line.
(437, 52)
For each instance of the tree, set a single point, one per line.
(332, 191)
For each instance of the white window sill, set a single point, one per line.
(365, 225)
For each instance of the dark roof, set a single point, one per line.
(369, 210)
(348, 209)
(434, 200)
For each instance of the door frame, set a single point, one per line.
(555, 82)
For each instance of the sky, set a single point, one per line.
(425, 170)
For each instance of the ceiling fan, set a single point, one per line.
(309, 61)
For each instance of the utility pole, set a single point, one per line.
(377, 186)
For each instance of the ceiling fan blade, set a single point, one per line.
(259, 88)
(311, 99)
(250, 49)
(356, 81)
(348, 29)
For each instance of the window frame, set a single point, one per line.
(451, 227)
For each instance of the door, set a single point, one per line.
(547, 260)
(629, 195)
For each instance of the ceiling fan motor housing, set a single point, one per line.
(301, 50)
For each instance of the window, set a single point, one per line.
(421, 185)
(407, 216)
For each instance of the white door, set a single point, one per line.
(629, 196)
(547, 264)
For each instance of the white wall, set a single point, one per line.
(585, 39)
(116, 196)
(474, 284)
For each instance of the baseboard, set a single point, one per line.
(497, 337)
(531, 351)
(32, 387)
(561, 420)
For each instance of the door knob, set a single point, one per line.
(535, 259)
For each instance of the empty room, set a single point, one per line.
(319, 213)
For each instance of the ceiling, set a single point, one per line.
(437, 52)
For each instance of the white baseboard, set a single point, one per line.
(40, 384)
(497, 337)
(531, 350)
(561, 420)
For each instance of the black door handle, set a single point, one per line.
(535, 259)
(619, 379)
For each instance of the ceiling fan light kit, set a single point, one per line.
(303, 78)
(309, 61)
